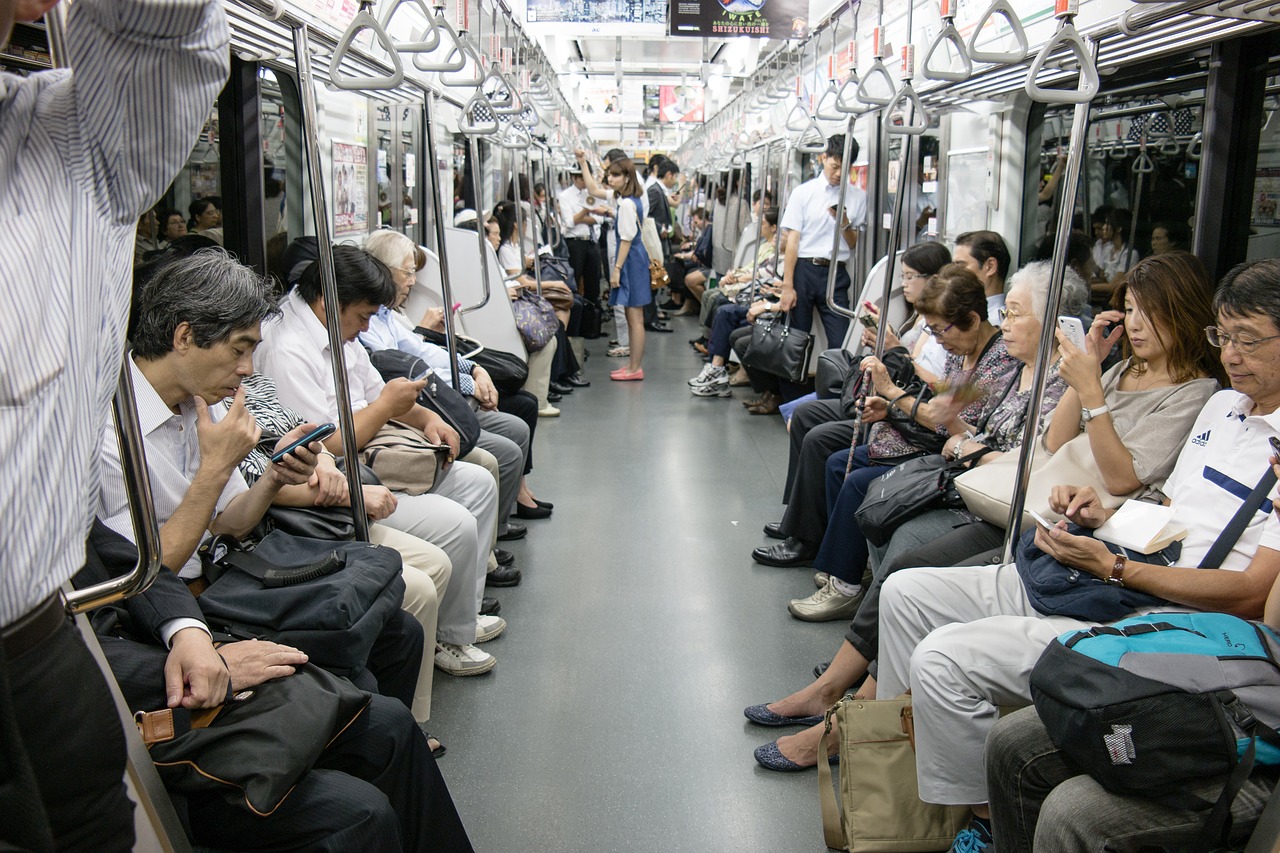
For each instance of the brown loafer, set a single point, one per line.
(768, 404)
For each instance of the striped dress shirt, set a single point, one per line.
(83, 152)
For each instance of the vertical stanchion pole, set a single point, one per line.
(437, 207)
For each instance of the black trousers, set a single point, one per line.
(811, 298)
(524, 406)
(62, 752)
(816, 433)
(375, 788)
(395, 660)
(761, 381)
(584, 257)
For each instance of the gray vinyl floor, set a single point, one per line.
(613, 721)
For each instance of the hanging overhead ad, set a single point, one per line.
(780, 19)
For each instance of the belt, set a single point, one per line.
(582, 239)
(33, 628)
(817, 262)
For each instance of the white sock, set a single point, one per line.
(716, 370)
(844, 587)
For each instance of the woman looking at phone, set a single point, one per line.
(920, 263)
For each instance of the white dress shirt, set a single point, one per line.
(295, 353)
(173, 457)
(82, 154)
(573, 200)
(387, 331)
(808, 212)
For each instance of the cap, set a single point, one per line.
(463, 217)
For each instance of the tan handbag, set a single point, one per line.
(882, 809)
(988, 489)
(403, 459)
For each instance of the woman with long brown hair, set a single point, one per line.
(629, 270)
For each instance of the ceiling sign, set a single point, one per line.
(780, 19)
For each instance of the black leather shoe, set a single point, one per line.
(577, 381)
(530, 513)
(821, 668)
(553, 397)
(791, 552)
(514, 532)
(774, 530)
(544, 504)
(490, 606)
(504, 558)
(503, 576)
(658, 327)
(561, 388)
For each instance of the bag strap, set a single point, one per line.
(1217, 826)
(1231, 533)
(271, 575)
(832, 818)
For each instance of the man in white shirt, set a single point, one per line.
(460, 515)
(809, 223)
(964, 640)
(987, 255)
(578, 220)
(72, 187)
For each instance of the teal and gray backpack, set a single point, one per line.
(1151, 704)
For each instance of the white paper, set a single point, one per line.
(1136, 524)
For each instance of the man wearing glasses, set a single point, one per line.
(964, 640)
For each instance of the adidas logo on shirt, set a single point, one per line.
(1202, 439)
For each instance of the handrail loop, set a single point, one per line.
(432, 35)
(443, 30)
(827, 108)
(1066, 36)
(948, 35)
(798, 119)
(847, 102)
(1195, 148)
(916, 120)
(812, 140)
(356, 83)
(1118, 150)
(478, 117)
(1003, 8)
(877, 71)
(456, 79)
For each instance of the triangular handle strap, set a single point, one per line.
(827, 105)
(461, 79)
(798, 119)
(516, 138)
(529, 117)
(812, 141)
(478, 118)
(949, 34)
(454, 58)
(877, 72)
(918, 121)
(1195, 148)
(431, 36)
(1142, 164)
(847, 102)
(1066, 36)
(1000, 7)
(355, 83)
(502, 94)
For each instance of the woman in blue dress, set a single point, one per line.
(629, 275)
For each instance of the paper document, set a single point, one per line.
(1142, 527)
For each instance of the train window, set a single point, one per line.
(1264, 212)
(197, 190)
(398, 194)
(275, 158)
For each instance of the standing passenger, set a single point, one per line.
(70, 200)
(629, 273)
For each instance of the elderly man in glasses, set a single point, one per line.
(964, 640)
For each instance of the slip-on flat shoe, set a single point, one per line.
(821, 668)
(490, 606)
(625, 375)
(553, 397)
(514, 532)
(561, 389)
(788, 553)
(763, 716)
(504, 558)
(544, 504)
(503, 576)
(440, 750)
(771, 758)
(531, 512)
(658, 327)
(774, 530)
(577, 381)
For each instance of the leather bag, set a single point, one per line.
(507, 370)
(658, 277)
(335, 523)
(908, 490)
(329, 599)
(403, 459)
(879, 808)
(897, 362)
(829, 376)
(438, 396)
(257, 746)
(779, 349)
(535, 320)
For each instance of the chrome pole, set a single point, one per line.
(832, 270)
(437, 208)
(473, 150)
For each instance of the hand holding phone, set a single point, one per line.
(320, 433)
(1275, 445)
(1041, 520)
(869, 321)
(1073, 330)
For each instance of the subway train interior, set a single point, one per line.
(911, 237)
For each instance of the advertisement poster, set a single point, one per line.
(1266, 197)
(674, 103)
(780, 19)
(600, 100)
(350, 189)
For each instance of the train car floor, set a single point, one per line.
(613, 720)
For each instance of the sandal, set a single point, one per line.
(618, 352)
(439, 749)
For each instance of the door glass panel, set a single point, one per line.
(1264, 213)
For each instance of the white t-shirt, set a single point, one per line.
(509, 258)
(808, 212)
(628, 222)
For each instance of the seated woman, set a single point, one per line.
(514, 264)
(818, 428)
(1167, 301)
(954, 308)
(540, 361)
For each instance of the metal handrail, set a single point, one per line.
(437, 210)
(473, 150)
(1066, 36)
(355, 83)
(1067, 188)
(1000, 7)
(845, 157)
(432, 34)
(520, 203)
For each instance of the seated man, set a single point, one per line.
(695, 259)
(196, 326)
(376, 785)
(964, 640)
(460, 514)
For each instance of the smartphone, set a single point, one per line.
(1041, 520)
(426, 371)
(318, 434)
(1275, 444)
(868, 320)
(1074, 330)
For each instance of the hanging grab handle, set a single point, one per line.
(812, 141)
(828, 105)
(847, 102)
(948, 35)
(455, 59)
(1000, 7)
(1195, 148)
(354, 82)
(798, 119)
(431, 36)
(1142, 164)
(1066, 36)
(478, 117)
(919, 119)
(459, 78)
(878, 71)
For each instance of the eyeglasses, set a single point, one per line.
(914, 276)
(409, 271)
(1218, 338)
(1003, 314)
(937, 333)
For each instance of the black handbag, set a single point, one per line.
(834, 365)
(256, 747)
(329, 599)
(508, 371)
(897, 361)
(909, 489)
(437, 396)
(779, 349)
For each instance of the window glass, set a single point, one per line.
(1264, 213)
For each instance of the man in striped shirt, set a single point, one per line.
(83, 152)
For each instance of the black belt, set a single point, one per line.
(34, 628)
(583, 239)
(817, 262)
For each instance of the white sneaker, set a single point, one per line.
(703, 377)
(463, 660)
(548, 411)
(716, 386)
(489, 627)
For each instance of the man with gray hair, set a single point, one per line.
(84, 153)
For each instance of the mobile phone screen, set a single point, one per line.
(318, 434)
(1040, 519)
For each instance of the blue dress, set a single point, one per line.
(635, 290)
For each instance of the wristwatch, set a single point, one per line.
(1087, 415)
(1117, 571)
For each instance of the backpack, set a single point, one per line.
(1153, 703)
